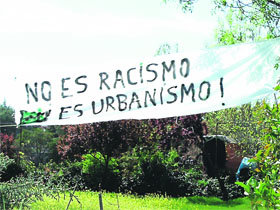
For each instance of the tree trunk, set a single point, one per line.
(106, 167)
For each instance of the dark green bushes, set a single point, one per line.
(11, 171)
(23, 190)
(155, 172)
(98, 174)
(141, 172)
(150, 172)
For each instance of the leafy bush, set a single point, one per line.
(146, 171)
(240, 123)
(97, 173)
(210, 187)
(65, 173)
(7, 116)
(36, 144)
(263, 188)
(11, 171)
(5, 162)
(7, 145)
(21, 191)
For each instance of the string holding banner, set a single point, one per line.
(159, 87)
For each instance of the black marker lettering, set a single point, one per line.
(64, 111)
(102, 80)
(153, 100)
(33, 93)
(119, 78)
(161, 99)
(187, 91)
(122, 101)
(168, 69)
(128, 77)
(43, 88)
(109, 102)
(93, 107)
(208, 90)
(64, 88)
(153, 71)
(134, 99)
(141, 73)
(78, 110)
(172, 94)
(222, 89)
(81, 83)
(187, 62)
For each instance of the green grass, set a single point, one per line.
(90, 201)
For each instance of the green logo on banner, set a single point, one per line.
(32, 117)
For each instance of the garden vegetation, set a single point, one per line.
(131, 159)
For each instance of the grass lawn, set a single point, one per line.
(90, 201)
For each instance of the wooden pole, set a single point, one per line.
(100, 201)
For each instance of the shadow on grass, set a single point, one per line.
(215, 201)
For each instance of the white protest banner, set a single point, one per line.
(166, 86)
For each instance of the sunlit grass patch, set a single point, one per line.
(113, 201)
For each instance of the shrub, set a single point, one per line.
(146, 171)
(5, 161)
(21, 191)
(263, 188)
(11, 171)
(99, 174)
(7, 145)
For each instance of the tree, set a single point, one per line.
(239, 123)
(108, 139)
(184, 134)
(35, 143)
(264, 14)
(245, 20)
(7, 120)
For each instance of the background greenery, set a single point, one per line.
(162, 157)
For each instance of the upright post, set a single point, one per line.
(100, 201)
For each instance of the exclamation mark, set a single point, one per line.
(222, 89)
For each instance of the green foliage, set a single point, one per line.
(36, 144)
(241, 124)
(235, 28)
(186, 5)
(5, 161)
(7, 117)
(266, 183)
(95, 162)
(152, 171)
(261, 193)
(21, 191)
(247, 20)
(276, 67)
(116, 201)
(206, 186)
(99, 172)
(8, 168)
(147, 171)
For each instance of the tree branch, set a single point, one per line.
(274, 3)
